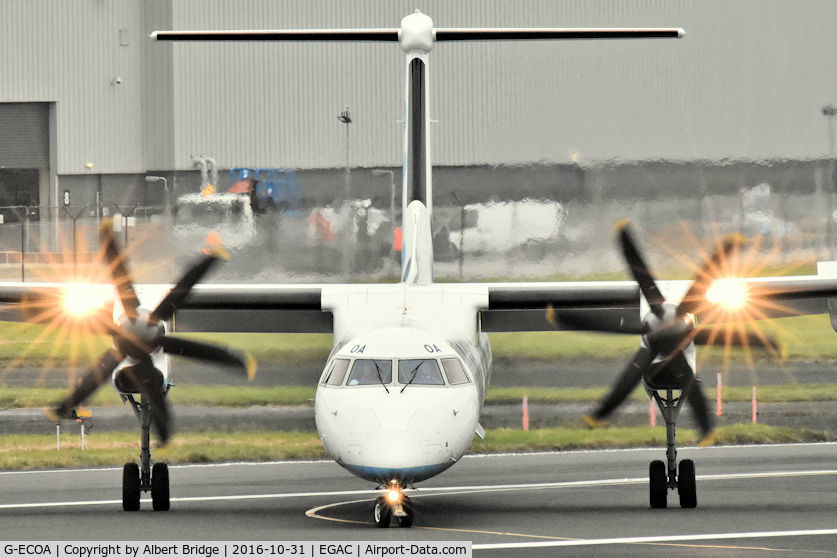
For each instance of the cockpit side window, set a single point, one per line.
(367, 371)
(423, 371)
(454, 371)
(338, 372)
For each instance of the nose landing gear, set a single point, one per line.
(393, 504)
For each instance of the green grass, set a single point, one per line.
(116, 448)
(808, 338)
(786, 393)
(247, 396)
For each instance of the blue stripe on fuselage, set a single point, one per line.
(404, 475)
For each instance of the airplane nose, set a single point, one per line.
(395, 449)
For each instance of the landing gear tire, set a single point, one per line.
(130, 487)
(383, 512)
(160, 487)
(658, 484)
(686, 484)
(406, 520)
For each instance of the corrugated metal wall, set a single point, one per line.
(747, 82)
(68, 52)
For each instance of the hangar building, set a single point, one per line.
(89, 106)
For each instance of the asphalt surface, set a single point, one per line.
(751, 500)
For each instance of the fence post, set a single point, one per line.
(75, 217)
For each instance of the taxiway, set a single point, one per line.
(750, 499)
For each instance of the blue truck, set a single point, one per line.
(268, 188)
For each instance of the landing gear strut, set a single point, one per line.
(144, 477)
(393, 504)
(663, 476)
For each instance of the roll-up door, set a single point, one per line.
(24, 135)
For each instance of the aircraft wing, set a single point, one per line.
(511, 306)
(615, 305)
(522, 306)
(254, 308)
(42, 302)
(610, 305)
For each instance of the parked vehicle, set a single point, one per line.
(267, 188)
(226, 217)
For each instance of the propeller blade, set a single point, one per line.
(181, 290)
(697, 399)
(98, 374)
(639, 269)
(119, 270)
(696, 294)
(212, 353)
(625, 384)
(160, 412)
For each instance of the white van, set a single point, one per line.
(195, 217)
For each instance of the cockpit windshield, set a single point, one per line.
(454, 371)
(423, 371)
(338, 372)
(367, 371)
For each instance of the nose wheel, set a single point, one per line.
(393, 504)
(664, 475)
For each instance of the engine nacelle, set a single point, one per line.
(138, 379)
(141, 335)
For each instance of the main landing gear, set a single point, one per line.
(664, 475)
(393, 504)
(144, 477)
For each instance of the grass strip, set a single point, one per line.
(785, 393)
(806, 338)
(115, 448)
(248, 396)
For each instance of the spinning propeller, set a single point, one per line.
(139, 333)
(667, 331)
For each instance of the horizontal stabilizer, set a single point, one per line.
(511, 34)
(392, 35)
(374, 35)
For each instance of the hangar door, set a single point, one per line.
(24, 151)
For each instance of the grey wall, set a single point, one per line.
(746, 84)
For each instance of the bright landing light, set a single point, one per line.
(729, 293)
(81, 299)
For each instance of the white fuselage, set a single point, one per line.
(371, 418)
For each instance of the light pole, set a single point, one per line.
(384, 172)
(830, 111)
(346, 118)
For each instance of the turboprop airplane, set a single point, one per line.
(400, 395)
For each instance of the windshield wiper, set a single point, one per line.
(412, 377)
(380, 374)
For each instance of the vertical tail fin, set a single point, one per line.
(416, 38)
